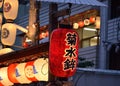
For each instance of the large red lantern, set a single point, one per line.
(63, 52)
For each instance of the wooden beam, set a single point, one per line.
(26, 54)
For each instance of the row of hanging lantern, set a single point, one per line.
(9, 29)
(24, 73)
(86, 22)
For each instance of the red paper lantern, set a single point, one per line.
(12, 73)
(92, 19)
(63, 52)
(81, 24)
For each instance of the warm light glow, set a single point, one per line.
(75, 25)
(4, 77)
(47, 33)
(92, 19)
(42, 35)
(86, 21)
(97, 23)
(81, 24)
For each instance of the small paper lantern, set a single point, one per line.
(81, 24)
(63, 53)
(86, 22)
(20, 74)
(92, 19)
(30, 71)
(10, 9)
(4, 77)
(75, 25)
(5, 51)
(8, 34)
(12, 73)
(41, 69)
(1, 3)
(97, 22)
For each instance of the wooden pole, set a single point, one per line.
(32, 20)
(53, 20)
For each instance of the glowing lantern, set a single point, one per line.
(5, 51)
(30, 71)
(4, 77)
(8, 34)
(86, 22)
(20, 74)
(63, 52)
(12, 73)
(75, 25)
(81, 24)
(41, 69)
(92, 19)
(1, 3)
(10, 9)
(42, 35)
(97, 23)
